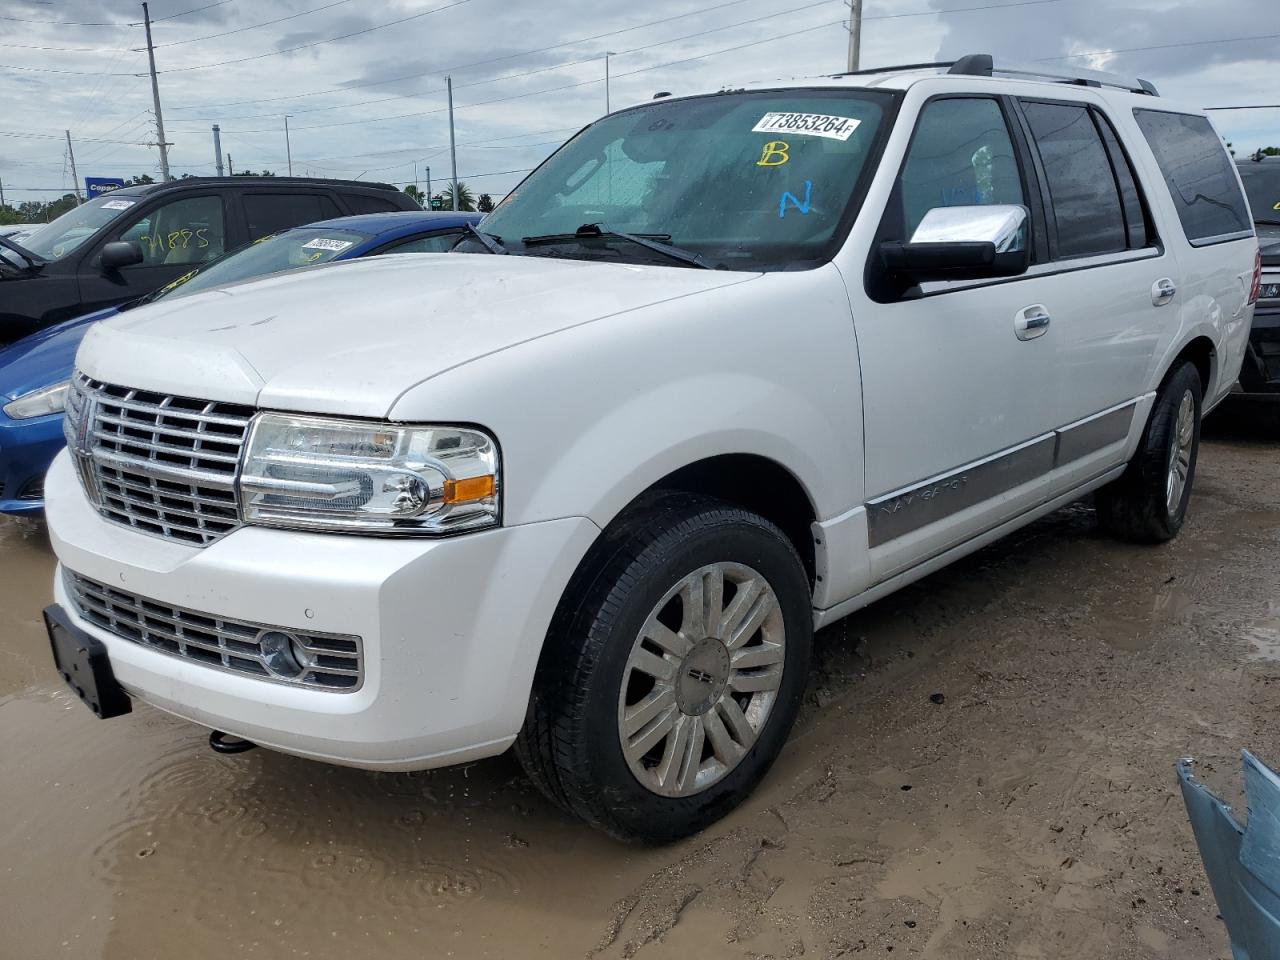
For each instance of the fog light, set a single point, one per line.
(284, 655)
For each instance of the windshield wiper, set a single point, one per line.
(486, 240)
(591, 231)
(34, 259)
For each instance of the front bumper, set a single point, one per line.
(27, 447)
(451, 629)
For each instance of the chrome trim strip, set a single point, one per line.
(1093, 433)
(904, 511)
(908, 509)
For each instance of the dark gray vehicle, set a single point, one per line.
(1260, 374)
(132, 241)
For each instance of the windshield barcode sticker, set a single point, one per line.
(118, 204)
(807, 125)
(320, 243)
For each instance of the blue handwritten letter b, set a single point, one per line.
(803, 207)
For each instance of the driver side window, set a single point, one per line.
(186, 231)
(961, 155)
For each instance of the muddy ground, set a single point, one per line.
(1031, 814)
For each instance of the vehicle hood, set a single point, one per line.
(46, 357)
(350, 338)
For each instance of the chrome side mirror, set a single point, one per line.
(1003, 225)
(961, 243)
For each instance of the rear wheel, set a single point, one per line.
(1148, 502)
(673, 671)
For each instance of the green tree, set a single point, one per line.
(485, 203)
(466, 201)
(9, 215)
(417, 195)
(140, 181)
(254, 173)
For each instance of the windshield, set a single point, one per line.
(748, 180)
(1262, 186)
(55, 240)
(300, 247)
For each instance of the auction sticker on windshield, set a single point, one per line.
(118, 204)
(320, 243)
(807, 125)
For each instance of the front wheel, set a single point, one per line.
(1148, 502)
(673, 671)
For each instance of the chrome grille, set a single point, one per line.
(161, 464)
(329, 661)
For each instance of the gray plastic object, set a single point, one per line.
(1243, 862)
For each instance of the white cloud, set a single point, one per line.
(338, 92)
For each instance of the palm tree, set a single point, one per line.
(417, 195)
(466, 201)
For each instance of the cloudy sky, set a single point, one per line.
(363, 83)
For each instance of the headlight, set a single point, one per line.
(322, 474)
(39, 403)
(1269, 291)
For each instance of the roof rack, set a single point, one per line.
(984, 65)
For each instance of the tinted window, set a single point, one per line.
(362, 203)
(184, 231)
(55, 240)
(961, 155)
(1082, 186)
(269, 213)
(1262, 183)
(437, 243)
(1198, 173)
(1135, 214)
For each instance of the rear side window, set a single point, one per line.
(363, 203)
(1084, 197)
(270, 213)
(1198, 172)
(437, 243)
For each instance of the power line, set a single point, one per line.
(555, 66)
(317, 43)
(1249, 106)
(185, 13)
(265, 23)
(565, 86)
(1162, 46)
(50, 136)
(464, 66)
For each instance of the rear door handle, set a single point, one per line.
(1031, 322)
(1162, 291)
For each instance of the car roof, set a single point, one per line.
(146, 189)
(399, 221)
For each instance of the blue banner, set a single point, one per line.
(97, 186)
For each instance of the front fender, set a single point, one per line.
(591, 417)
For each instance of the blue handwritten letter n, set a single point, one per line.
(788, 195)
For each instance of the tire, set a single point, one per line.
(1148, 502)
(602, 672)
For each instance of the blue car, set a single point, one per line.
(34, 372)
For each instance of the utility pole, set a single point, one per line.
(428, 188)
(288, 151)
(607, 55)
(855, 35)
(155, 96)
(231, 171)
(217, 148)
(453, 150)
(75, 177)
(1, 193)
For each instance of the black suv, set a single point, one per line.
(137, 239)
(1260, 375)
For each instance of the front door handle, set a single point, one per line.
(1162, 291)
(1031, 322)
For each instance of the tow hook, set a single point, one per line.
(221, 742)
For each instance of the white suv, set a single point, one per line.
(722, 370)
